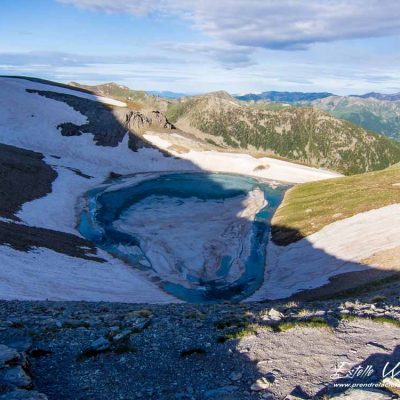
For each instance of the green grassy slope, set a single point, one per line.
(309, 207)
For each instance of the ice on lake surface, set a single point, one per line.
(202, 237)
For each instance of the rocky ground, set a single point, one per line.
(76, 350)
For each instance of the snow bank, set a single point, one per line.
(246, 165)
(44, 274)
(336, 249)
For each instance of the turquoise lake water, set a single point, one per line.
(109, 203)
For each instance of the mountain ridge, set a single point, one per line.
(380, 96)
(298, 133)
(294, 96)
(372, 113)
(284, 96)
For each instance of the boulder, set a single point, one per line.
(260, 384)
(8, 356)
(15, 376)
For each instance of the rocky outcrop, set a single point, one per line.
(141, 121)
(138, 122)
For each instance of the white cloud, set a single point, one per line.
(137, 7)
(272, 24)
(52, 58)
(227, 55)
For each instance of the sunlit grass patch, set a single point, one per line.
(308, 207)
(377, 319)
(233, 322)
(239, 334)
(386, 320)
(316, 322)
(278, 327)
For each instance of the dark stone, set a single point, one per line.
(21, 394)
(24, 176)
(24, 238)
(15, 376)
(69, 129)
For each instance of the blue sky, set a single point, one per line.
(192, 46)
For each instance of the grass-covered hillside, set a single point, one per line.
(309, 207)
(308, 135)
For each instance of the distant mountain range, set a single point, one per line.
(381, 96)
(293, 97)
(167, 94)
(283, 96)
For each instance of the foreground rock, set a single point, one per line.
(15, 379)
(8, 356)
